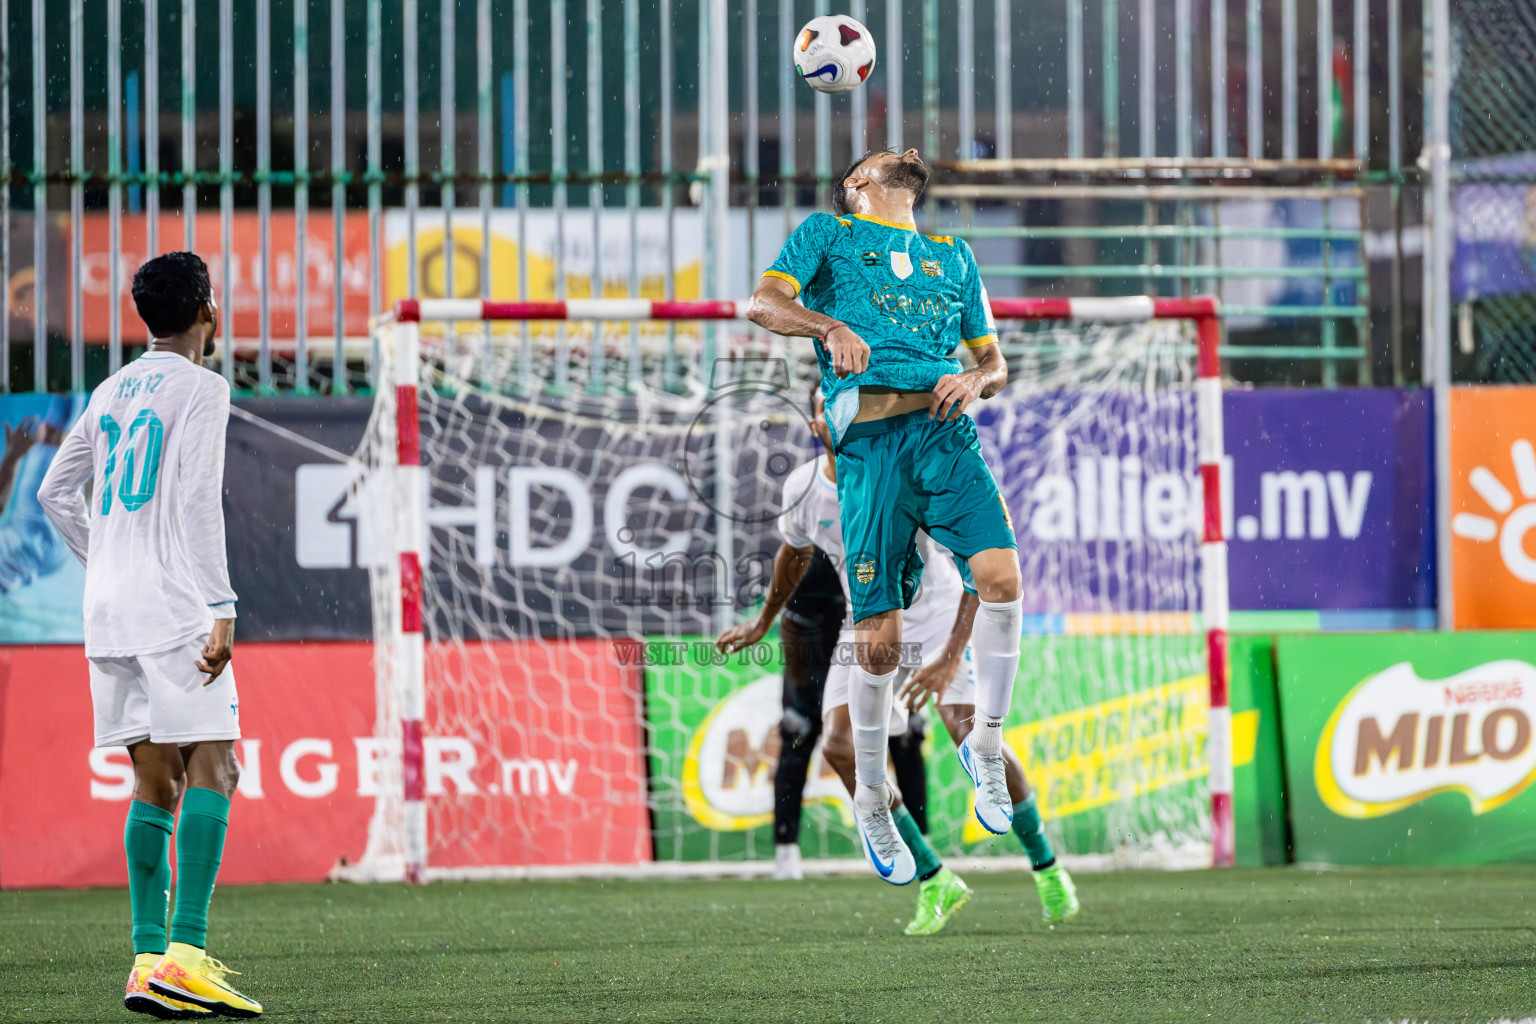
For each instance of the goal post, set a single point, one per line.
(399, 838)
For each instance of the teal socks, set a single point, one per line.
(199, 849)
(147, 841)
(928, 863)
(1031, 832)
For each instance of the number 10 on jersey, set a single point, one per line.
(131, 496)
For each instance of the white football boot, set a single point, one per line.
(994, 807)
(883, 845)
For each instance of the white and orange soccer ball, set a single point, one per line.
(834, 53)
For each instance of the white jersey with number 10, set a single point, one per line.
(151, 531)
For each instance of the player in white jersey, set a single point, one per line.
(159, 624)
(935, 664)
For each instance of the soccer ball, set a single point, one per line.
(834, 53)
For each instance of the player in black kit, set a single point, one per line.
(808, 627)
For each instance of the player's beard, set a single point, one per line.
(911, 175)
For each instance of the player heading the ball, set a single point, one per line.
(887, 306)
(160, 624)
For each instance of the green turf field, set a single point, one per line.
(1248, 945)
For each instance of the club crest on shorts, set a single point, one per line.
(864, 572)
(901, 265)
(1007, 519)
(932, 267)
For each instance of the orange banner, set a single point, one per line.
(1493, 507)
(95, 263)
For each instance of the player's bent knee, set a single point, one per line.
(837, 749)
(996, 572)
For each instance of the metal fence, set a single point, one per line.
(328, 156)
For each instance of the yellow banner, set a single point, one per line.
(1119, 748)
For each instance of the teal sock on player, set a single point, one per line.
(1031, 832)
(199, 849)
(928, 863)
(147, 841)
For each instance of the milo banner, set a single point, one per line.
(1410, 749)
(1112, 735)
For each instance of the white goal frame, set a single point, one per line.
(408, 488)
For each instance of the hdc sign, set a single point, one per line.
(333, 531)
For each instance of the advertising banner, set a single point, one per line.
(1410, 749)
(714, 749)
(1329, 508)
(513, 773)
(1112, 737)
(1258, 776)
(1328, 503)
(95, 260)
(42, 584)
(1493, 507)
(1495, 224)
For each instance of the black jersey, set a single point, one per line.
(819, 597)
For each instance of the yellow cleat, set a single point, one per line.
(191, 975)
(140, 999)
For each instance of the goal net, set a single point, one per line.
(549, 566)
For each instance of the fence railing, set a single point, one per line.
(326, 156)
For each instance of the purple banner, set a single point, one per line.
(1331, 500)
(1328, 502)
(1495, 225)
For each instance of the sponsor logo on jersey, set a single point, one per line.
(901, 265)
(864, 572)
(932, 267)
(871, 259)
(1397, 739)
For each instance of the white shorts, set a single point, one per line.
(161, 698)
(961, 691)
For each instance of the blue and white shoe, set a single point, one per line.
(883, 845)
(994, 807)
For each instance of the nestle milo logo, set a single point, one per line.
(727, 776)
(1397, 739)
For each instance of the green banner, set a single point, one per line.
(1410, 748)
(1111, 731)
(714, 743)
(1258, 772)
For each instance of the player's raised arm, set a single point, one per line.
(202, 473)
(61, 495)
(789, 567)
(774, 308)
(955, 391)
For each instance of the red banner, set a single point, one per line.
(95, 262)
(537, 760)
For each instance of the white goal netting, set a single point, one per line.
(583, 549)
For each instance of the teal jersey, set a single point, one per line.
(913, 298)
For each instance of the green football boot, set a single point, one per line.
(937, 901)
(1058, 896)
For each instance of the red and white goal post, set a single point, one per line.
(410, 489)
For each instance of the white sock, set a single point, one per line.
(869, 710)
(995, 646)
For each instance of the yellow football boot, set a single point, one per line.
(189, 974)
(140, 999)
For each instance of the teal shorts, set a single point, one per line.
(905, 473)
